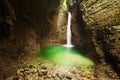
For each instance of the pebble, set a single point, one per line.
(40, 73)
(52, 72)
(68, 76)
(57, 72)
(57, 78)
(44, 72)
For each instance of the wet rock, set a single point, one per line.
(69, 77)
(43, 67)
(40, 73)
(57, 78)
(50, 72)
(102, 19)
(44, 72)
(7, 19)
(20, 72)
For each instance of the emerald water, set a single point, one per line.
(64, 55)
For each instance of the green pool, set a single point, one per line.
(64, 55)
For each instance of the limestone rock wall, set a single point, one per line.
(23, 25)
(33, 22)
(102, 18)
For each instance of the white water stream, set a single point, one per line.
(69, 29)
(69, 35)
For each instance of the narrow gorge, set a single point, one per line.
(33, 32)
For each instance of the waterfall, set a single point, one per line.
(69, 35)
(69, 29)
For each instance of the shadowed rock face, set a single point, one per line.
(4, 30)
(7, 18)
(33, 23)
(102, 18)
